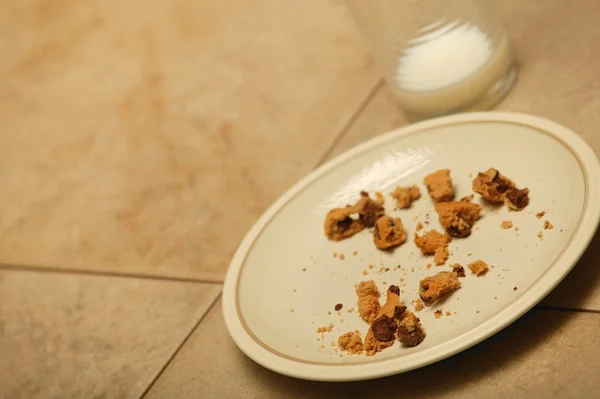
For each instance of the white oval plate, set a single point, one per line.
(284, 281)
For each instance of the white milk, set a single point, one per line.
(455, 67)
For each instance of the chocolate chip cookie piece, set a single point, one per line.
(492, 185)
(384, 328)
(369, 210)
(440, 285)
(517, 199)
(458, 217)
(389, 232)
(341, 223)
(439, 185)
(410, 331)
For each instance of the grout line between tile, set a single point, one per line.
(359, 111)
(38, 269)
(567, 309)
(187, 337)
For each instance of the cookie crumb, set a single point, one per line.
(322, 330)
(419, 226)
(478, 267)
(540, 235)
(438, 313)
(517, 228)
(458, 269)
(428, 266)
(419, 305)
(338, 307)
(354, 253)
(441, 255)
(515, 288)
(335, 254)
(470, 254)
(477, 311)
(507, 224)
(548, 225)
(405, 196)
(342, 257)
(448, 313)
(540, 214)
(351, 342)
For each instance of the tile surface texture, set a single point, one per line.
(73, 336)
(147, 137)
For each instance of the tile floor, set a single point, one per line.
(109, 288)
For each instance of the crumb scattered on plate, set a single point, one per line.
(458, 269)
(507, 224)
(548, 225)
(438, 313)
(540, 214)
(478, 267)
(405, 196)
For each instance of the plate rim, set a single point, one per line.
(580, 240)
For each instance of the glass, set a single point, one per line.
(438, 56)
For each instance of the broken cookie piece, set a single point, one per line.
(429, 242)
(435, 287)
(384, 328)
(373, 345)
(391, 303)
(410, 331)
(368, 308)
(517, 199)
(478, 267)
(492, 185)
(368, 210)
(496, 188)
(441, 255)
(368, 287)
(439, 185)
(458, 269)
(341, 223)
(389, 232)
(351, 342)
(458, 217)
(405, 196)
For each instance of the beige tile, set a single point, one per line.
(147, 137)
(73, 336)
(529, 358)
(558, 80)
